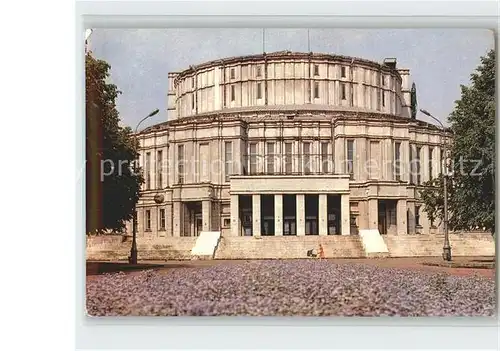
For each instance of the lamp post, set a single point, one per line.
(133, 251)
(446, 246)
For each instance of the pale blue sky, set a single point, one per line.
(439, 59)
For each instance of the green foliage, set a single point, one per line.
(110, 199)
(471, 196)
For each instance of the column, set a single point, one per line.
(373, 214)
(322, 214)
(424, 163)
(301, 212)
(411, 217)
(206, 214)
(278, 214)
(177, 218)
(168, 219)
(235, 216)
(345, 215)
(256, 215)
(401, 211)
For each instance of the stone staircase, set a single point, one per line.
(283, 247)
(422, 245)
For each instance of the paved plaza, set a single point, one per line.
(346, 287)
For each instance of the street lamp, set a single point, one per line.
(133, 251)
(446, 246)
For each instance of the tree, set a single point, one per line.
(471, 199)
(112, 187)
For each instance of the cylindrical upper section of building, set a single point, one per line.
(289, 78)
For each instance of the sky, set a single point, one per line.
(439, 60)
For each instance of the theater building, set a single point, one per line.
(288, 144)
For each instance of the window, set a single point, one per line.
(270, 158)
(419, 149)
(342, 91)
(180, 163)
(227, 222)
(316, 90)
(233, 94)
(192, 82)
(148, 170)
(192, 101)
(307, 153)
(147, 220)
(288, 158)
(383, 80)
(233, 73)
(316, 70)
(228, 157)
(431, 161)
(253, 158)
(161, 220)
(397, 161)
(324, 157)
(258, 71)
(383, 98)
(350, 158)
(342, 72)
(159, 169)
(259, 90)
(417, 216)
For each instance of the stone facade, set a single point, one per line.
(286, 144)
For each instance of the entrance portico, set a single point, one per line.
(290, 205)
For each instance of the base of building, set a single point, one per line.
(115, 248)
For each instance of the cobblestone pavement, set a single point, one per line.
(308, 287)
(413, 263)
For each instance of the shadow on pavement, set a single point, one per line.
(96, 268)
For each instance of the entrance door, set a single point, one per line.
(311, 226)
(246, 223)
(289, 226)
(382, 218)
(268, 225)
(198, 224)
(333, 223)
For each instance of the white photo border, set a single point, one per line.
(270, 333)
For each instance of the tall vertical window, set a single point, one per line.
(307, 158)
(316, 70)
(343, 91)
(258, 71)
(148, 170)
(316, 90)
(324, 157)
(259, 90)
(397, 161)
(233, 93)
(350, 158)
(161, 219)
(192, 82)
(180, 163)
(343, 72)
(417, 216)
(270, 158)
(253, 158)
(383, 98)
(228, 159)
(288, 158)
(159, 169)
(431, 161)
(417, 157)
(192, 101)
(147, 220)
(233, 73)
